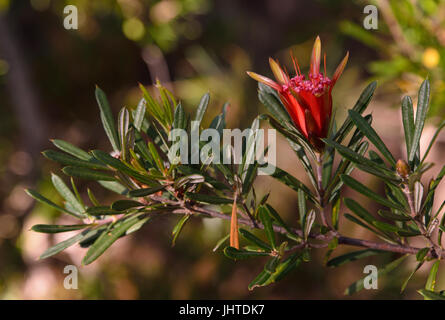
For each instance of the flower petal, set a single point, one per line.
(279, 74)
(316, 57)
(339, 69)
(265, 80)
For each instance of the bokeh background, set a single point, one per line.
(47, 80)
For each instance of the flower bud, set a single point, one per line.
(402, 168)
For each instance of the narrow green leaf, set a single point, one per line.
(430, 295)
(292, 182)
(106, 239)
(107, 119)
(178, 228)
(221, 242)
(202, 107)
(87, 174)
(102, 211)
(122, 205)
(265, 218)
(180, 120)
(37, 196)
(352, 256)
(308, 221)
(119, 165)
(70, 241)
(236, 254)
(422, 110)
(52, 228)
(204, 198)
(408, 122)
(254, 239)
(139, 115)
(370, 133)
(66, 194)
(410, 276)
(72, 150)
(360, 106)
(431, 282)
(354, 184)
(146, 191)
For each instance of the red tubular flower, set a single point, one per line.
(308, 101)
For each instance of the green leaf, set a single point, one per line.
(308, 221)
(421, 254)
(430, 295)
(204, 198)
(178, 228)
(410, 276)
(180, 120)
(274, 214)
(123, 126)
(120, 166)
(72, 150)
(408, 122)
(139, 115)
(431, 282)
(72, 161)
(422, 109)
(372, 136)
(156, 157)
(145, 191)
(359, 285)
(69, 242)
(114, 187)
(354, 184)
(393, 216)
(37, 196)
(221, 242)
(202, 107)
(106, 239)
(265, 218)
(254, 239)
(66, 194)
(260, 280)
(87, 174)
(52, 228)
(363, 163)
(355, 207)
(352, 256)
(283, 269)
(102, 211)
(122, 205)
(107, 119)
(236, 254)
(360, 106)
(292, 182)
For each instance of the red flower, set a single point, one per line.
(308, 101)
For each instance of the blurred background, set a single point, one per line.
(47, 80)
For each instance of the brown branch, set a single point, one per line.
(322, 237)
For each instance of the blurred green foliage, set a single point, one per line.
(410, 43)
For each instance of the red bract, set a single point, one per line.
(307, 100)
